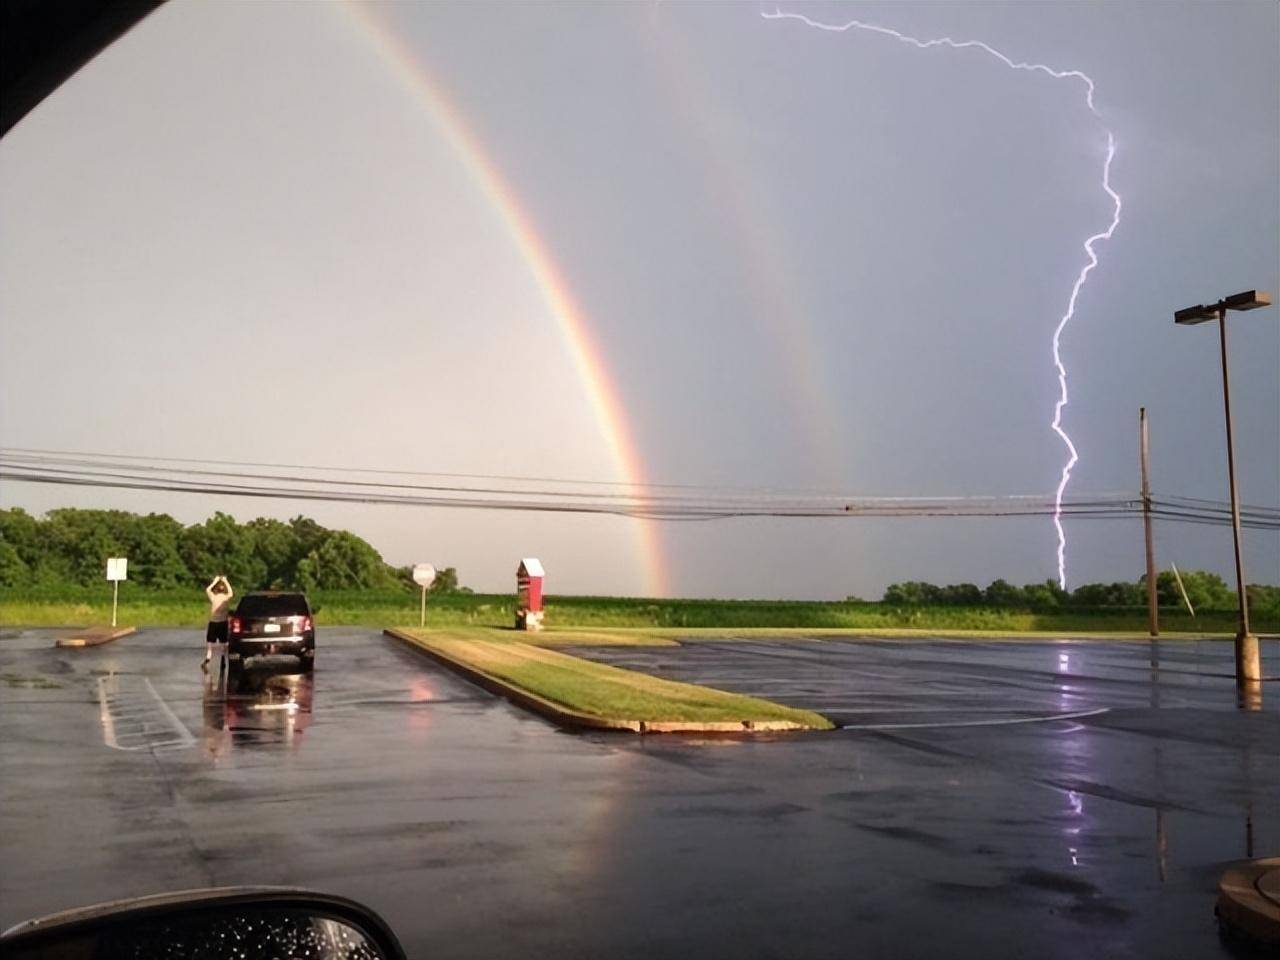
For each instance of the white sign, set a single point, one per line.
(424, 574)
(117, 568)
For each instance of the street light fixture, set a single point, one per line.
(1249, 300)
(1248, 659)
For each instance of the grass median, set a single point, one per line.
(600, 691)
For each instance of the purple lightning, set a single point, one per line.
(1056, 424)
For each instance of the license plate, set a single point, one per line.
(271, 628)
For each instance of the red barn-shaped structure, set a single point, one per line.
(529, 594)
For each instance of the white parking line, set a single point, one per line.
(977, 723)
(135, 716)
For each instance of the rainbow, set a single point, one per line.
(585, 353)
(770, 273)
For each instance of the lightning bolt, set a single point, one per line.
(1089, 245)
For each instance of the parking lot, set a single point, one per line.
(984, 799)
(901, 685)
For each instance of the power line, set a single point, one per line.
(637, 506)
(189, 475)
(735, 495)
(16, 458)
(640, 508)
(384, 471)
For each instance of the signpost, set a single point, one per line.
(424, 574)
(117, 570)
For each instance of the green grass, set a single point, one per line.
(599, 690)
(603, 637)
(655, 619)
(80, 606)
(672, 636)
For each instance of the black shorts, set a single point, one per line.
(217, 632)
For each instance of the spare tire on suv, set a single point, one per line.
(268, 622)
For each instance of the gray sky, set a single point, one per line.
(811, 260)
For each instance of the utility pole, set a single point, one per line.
(1153, 610)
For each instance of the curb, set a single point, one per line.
(571, 719)
(94, 636)
(1249, 901)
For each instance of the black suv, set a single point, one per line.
(271, 621)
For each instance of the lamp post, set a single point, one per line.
(1248, 660)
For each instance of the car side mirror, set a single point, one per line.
(218, 924)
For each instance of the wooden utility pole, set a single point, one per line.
(1153, 610)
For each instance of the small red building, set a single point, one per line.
(529, 594)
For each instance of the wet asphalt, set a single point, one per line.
(985, 800)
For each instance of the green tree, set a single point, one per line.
(279, 547)
(155, 559)
(1002, 593)
(13, 569)
(446, 582)
(1264, 601)
(22, 532)
(343, 561)
(309, 533)
(1045, 595)
(1109, 595)
(913, 593)
(222, 546)
(1205, 590)
(961, 595)
(76, 543)
(71, 546)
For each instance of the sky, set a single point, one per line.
(661, 243)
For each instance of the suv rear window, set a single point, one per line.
(273, 605)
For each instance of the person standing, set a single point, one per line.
(219, 593)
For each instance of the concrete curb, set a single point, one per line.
(571, 719)
(1249, 901)
(94, 636)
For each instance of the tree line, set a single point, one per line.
(70, 547)
(1205, 591)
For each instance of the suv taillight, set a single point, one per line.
(304, 624)
(235, 624)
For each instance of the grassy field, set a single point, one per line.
(599, 690)
(653, 618)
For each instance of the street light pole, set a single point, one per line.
(1248, 658)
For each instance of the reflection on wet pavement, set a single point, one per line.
(267, 703)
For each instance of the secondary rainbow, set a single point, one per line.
(575, 331)
(769, 272)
